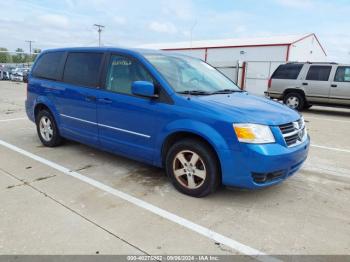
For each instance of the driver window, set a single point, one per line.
(122, 72)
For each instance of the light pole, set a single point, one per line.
(99, 30)
(30, 46)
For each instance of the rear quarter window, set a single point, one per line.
(83, 69)
(319, 73)
(48, 66)
(287, 71)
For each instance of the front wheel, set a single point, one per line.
(294, 100)
(193, 168)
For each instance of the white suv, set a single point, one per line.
(301, 85)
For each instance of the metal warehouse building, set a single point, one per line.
(250, 62)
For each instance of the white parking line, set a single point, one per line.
(326, 119)
(242, 248)
(13, 119)
(331, 148)
(337, 172)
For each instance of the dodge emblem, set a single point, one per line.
(296, 125)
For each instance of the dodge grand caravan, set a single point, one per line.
(167, 110)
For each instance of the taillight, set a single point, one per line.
(269, 83)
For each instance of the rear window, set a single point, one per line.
(319, 73)
(287, 71)
(48, 66)
(83, 69)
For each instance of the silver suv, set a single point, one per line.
(301, 85)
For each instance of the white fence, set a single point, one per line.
(233, 72)
(257, 75)
(252, 75)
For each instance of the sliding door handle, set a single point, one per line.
(90, 98)
(104, 101)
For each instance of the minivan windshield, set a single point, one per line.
(189, 75)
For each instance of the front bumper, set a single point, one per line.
(273, 95)
(257, 166)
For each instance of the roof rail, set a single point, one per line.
(332, 63)
(308, 62)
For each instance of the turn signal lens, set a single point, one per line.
(244, 133)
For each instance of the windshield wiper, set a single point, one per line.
(226, 91)
(194, 92)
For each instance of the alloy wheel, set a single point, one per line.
(189, 169)
(46, 129)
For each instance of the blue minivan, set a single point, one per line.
(167, 110)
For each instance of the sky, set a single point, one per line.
(135, 22)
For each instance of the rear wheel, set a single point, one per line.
(47, 129)
(193, 168)
(294, 100)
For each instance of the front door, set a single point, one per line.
(126, 122)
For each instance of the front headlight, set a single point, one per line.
(254, 133)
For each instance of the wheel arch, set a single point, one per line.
(294, 90)
(44, 103)
(188, 128)
(39, 107)
(180, 135)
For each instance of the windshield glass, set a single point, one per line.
(186, 74)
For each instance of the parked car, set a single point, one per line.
(25, 75)
(167, 110)
(301, 85)
(17, 76)
(4, 75)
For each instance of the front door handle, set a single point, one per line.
(334, 85)
(305, 84)
(105, 100)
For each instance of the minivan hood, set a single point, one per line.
(242, 107)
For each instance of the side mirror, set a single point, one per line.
(143, 88)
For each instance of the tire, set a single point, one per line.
(294, 100)
(307, 106)
(197, 178)
(47, 129)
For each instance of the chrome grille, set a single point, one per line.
(294, 133)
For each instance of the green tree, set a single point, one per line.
(19, 57)
(5, 57)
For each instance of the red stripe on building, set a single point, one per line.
(243, 75)
(216, 47)
(288, 50)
